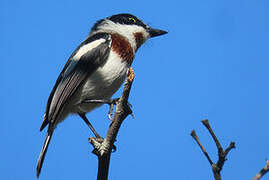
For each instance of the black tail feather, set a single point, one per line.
(43, 153)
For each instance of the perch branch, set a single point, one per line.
(216, 168)
(103, 149)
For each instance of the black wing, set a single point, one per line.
(75, 72)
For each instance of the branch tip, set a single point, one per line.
(262, 172)
(216, 168)
(130, 74)
(193, 133)
(205, 121)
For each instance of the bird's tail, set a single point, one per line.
(43, 153)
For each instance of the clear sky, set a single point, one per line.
(212, 64)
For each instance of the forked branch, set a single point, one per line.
(222, 154)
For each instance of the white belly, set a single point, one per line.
(104, 82)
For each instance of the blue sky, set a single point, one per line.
(212, 64)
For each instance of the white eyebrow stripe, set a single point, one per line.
(87, 47)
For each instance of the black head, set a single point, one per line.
(129, 19)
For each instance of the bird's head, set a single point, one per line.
(129, 26)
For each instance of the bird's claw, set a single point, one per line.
(113, 102)
(97, 141)
(111, 107)
(110, 102)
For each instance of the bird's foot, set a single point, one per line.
(98, 144)
(110, 102)
(111, 107)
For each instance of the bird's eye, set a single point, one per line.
(132, 20)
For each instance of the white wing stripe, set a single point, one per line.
(87, 47)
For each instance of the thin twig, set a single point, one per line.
(207, 125)
(193, 134)
(103, 149)
(216, 168)
(229, 148)
(262, 172)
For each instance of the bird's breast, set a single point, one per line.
(123, 48)
(104, 82)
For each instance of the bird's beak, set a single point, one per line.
(156, 32)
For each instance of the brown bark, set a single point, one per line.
(103, 148)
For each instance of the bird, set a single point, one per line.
(94, 71)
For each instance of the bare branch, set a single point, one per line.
(193, 134)
(103, 149)
(207, 125)
(229, 148)
(262, 172)
(216, 168)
